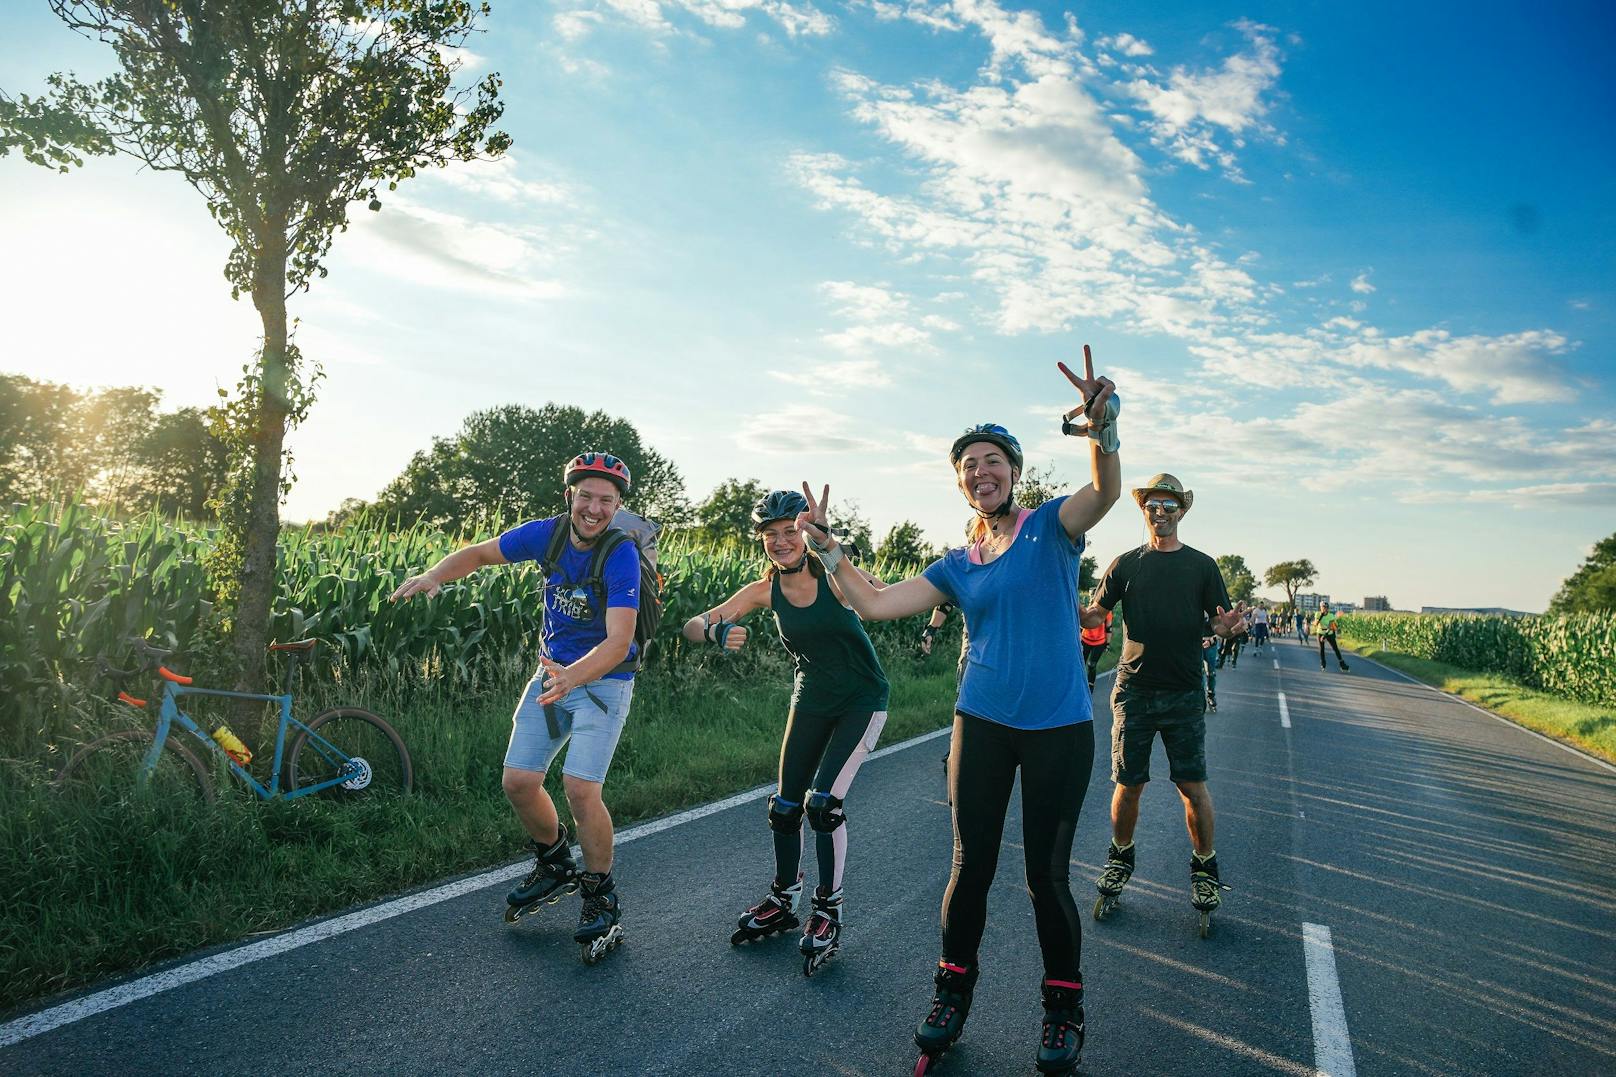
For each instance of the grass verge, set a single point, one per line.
(89, 892)
(1583, 725)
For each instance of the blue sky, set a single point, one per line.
(1350, 265)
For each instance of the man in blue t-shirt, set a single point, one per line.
(580, 693)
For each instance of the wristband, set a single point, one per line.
(929, 631)
(831, 558)
(718, 631)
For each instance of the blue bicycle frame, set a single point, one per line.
(170, 714)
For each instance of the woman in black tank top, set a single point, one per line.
(838, 706)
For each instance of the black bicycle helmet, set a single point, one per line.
(778, 505)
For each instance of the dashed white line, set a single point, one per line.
(1276, 663)
(44, 1021)
(1284, 713)
(1332, 1046)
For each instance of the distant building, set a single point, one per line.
(1310, 603)
(1376, 604)
(1480, 611)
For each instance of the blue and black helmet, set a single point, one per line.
(778, 505)
(989, 432)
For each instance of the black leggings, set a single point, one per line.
(1092, 653)
(822, 754)
(1055, 766)
(1330, 639)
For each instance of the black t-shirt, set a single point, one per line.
(1166, 600)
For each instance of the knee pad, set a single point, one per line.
(825, 812)
(784, 816)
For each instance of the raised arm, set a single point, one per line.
(1088, 506)
(463, 562)
(870, 602)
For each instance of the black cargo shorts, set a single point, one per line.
(1138, 714)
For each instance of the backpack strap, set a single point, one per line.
(608, 544)
(558, 542)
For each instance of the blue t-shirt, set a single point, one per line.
(572, 625)
(1021, 612)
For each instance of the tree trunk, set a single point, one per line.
(259, 543)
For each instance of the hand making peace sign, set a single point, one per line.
(1096, 392)
(813, 523)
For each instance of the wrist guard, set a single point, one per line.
(717, 632)
(1103, 430)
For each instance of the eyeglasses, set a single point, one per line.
(1161, 504)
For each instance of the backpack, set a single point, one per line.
(625, 527)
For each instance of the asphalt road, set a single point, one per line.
(1462, 867)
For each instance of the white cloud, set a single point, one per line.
(1126, 44)
(797, 20)
(501, 180)
(827, 377)
(1360, 284)
(802, 428)
(864, 302)
(447, 250)
(858, 339)
(1189, 111)
(576, 24)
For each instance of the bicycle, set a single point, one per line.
(346, 752)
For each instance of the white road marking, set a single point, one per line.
(1562, 745)
(1276, 663)
(1284, 713)
(1332, 1046)
(67, 1013)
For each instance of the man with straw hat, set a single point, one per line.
(1169, 594)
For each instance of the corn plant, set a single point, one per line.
(1573, 656)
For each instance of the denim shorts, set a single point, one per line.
(1138, 714)
(591, 716)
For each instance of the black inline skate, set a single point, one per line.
(600, 927)
(1205, 889)
(950, 1005)
(1118, 870)
(1062, 1040)
(774, 915)
(553, 877)
(822, 938)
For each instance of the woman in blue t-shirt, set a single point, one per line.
(1023, 703)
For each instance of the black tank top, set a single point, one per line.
(837, 671)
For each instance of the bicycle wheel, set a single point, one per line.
(111, 769)
(348, 740)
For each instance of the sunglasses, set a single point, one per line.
(1161, 504)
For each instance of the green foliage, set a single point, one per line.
(1292, 576)
(508, 461)
(905, 542)
(51, 133)
(1038, 485)
(1237, 578)
(73, 585)
(1592, 588)
(1571, 656)
(725, 515)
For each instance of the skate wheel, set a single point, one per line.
(923, 1066)
(1206, 924)
(513, 913)
(809, 965)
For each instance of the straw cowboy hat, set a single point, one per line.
(1164, 484)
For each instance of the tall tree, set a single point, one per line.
(725, 515)
(1038, 485)
(905, 543)
(1592, 588)
(1237, 578)
(507, 464)
(280, 113)
(184, 466)
(1291, 575)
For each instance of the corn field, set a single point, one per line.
(1572, 656)
(74, 584)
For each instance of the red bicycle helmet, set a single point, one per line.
(603, 464)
